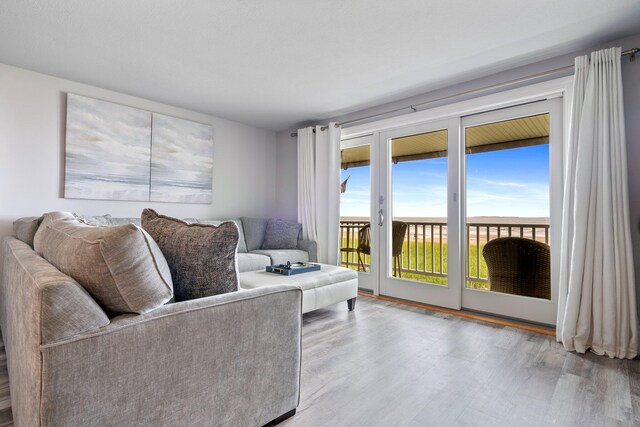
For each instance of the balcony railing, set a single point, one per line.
(424, 252)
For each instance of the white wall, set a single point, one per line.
(32, 128)
(631, 84)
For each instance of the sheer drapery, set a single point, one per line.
(596, 304)
(307, 183)
(319, 189)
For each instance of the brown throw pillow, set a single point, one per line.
(121, 267)
(201, 257)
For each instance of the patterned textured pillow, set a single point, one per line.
(281, 234)
(242, 246)
(121, 266)
(201, 257)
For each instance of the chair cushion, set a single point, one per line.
(242, 245)
(25, 228)
(281, 234)
(121, 267)
(281, 256)
(201, 257)
(254, 229)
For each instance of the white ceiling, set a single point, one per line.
(277, 63)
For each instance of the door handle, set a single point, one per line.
(381, 220)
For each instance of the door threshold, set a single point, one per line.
(483, 317)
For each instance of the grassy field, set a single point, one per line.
(424, 256)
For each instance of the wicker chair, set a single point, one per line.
(399, 229)
(519, 266)
(364, 245)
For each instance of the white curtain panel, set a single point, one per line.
(597, 305)
(319, 189)
(307, 183)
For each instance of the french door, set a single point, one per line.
(512, 171)
(427, 199)
(418, 213)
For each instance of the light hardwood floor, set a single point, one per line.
(388, 364)
(6, 419)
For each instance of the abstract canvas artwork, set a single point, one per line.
(107, 150)
(115, 152)
(181, 160)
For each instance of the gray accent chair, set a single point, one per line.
(231, 359)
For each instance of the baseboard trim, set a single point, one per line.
(465, 314)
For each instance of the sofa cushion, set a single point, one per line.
(281, 234)
(202, 257)
(254, 229)
(242, 245)
(281, 256)
(252, 262)
(25, 228)
(121, 267)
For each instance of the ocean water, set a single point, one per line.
(180, 194)
(104, 189)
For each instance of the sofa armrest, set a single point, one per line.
(231, 359)
(311, 247)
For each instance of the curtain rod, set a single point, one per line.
(631, 52)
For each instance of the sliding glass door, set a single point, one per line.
(357, 246)
(511, 160)
(418, 219)
(459, 213)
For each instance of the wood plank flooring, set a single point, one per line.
(6, 418)
(389, 364)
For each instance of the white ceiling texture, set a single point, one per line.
(277, 63)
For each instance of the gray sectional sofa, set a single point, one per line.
(229, 359)
(251, 253)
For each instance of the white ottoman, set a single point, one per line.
(329, 285)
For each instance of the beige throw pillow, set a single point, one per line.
(25, 228)
(121, 267)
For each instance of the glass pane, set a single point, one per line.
(355, 207)
(507, 224)
(419, 184)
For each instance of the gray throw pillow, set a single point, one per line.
(201, 257)
(281, 234)
(121, 267)
(254, 229)
(25, 228)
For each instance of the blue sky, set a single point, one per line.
(511, 182)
